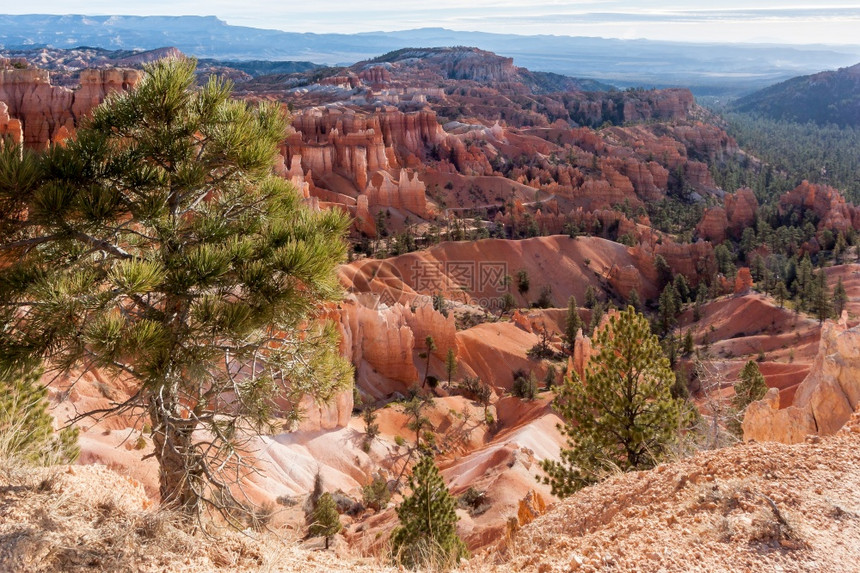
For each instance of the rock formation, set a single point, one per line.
(45, 109)
(10, 127)
(824, 401)
(829, 206)
(741, 209)
(713, 225)
(407, 193)
(379, 342)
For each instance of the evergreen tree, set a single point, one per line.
(725, 259)
(634, 300)
(701, 298)
(376, 494)
(427, 534)
(157, 245)
(839, 247)
(781, 293)
(429, 349)
(805, 283)
(667, 310)
(682, 290)
(439, 304)
(450, 364)
(26, 427)
(819, 299)
(325, 521)
(545, 298)
(371, 427)
(840, 297)
(508, 302)
(549, 379)
(572, 323)
(417, 421)
(749, 388)
(523, 282)
(596, 316)
(524, 386)
(623, 414)
(590, 297)
(664, 271)
(689, 344)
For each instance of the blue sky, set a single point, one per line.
(831, 21)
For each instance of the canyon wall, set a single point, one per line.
(49, 112)
(824, 401)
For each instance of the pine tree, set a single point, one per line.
(840, 297)
(417, 421)
(325, 521)
(689, 343)
(664, 271)
(508, 302)
(439, 304)
(523, 282)
(590, 297)
(429, 349)
(427, 534)
(572, 323)
(26, 427)
(667, 310)
(371, 427)
(819, 298)
(805, 283)
(634, 300)
(623, 414)
(839, 247)
(749, 388)
(376, 494)
(682, 290)
(450, 364)
(596, 316)
(157, 245)
(781, 293)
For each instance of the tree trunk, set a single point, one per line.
(180, 475)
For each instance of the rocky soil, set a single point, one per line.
(752, 507)
(77, 519)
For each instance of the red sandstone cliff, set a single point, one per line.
(829, 206)
(45, 110)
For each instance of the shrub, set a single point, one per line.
(325, 519)
(623, 415)
(749, 388)
(26, 427)
(525, 385)
(376, 494)
(371, 428)
(545, 298)
(427, 535)
(523, 281)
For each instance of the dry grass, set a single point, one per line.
(88, 518)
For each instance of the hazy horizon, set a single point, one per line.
(785, 22)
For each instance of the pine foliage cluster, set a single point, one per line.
(26, 428)
(325, 520)
(623, 415)
(750, 387)
(159, 246)
(427, 534)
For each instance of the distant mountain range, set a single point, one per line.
(826, 97)
(705, 68)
